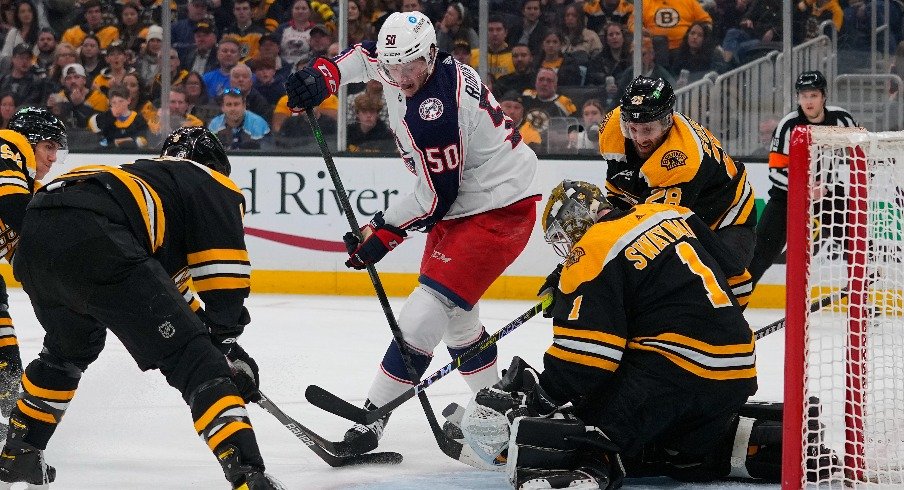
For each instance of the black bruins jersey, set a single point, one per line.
(190, 218)
(689, 169)
(641, 289)
(17, 184)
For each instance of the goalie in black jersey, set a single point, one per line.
(112, 248)
(651, 363)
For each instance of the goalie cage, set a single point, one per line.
(845, 201)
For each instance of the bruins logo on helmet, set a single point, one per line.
(674, 159)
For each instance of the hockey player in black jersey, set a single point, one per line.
(651, 363)
(27, 151)
(657, 155)
(103, 248)
(772, 232)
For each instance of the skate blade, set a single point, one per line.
(29, 486)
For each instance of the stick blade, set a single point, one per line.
(387, 457)
(329, 402)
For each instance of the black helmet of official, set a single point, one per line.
(573, 207)
(38, 124)
(811, 80)
(647, 99)
(199, 145)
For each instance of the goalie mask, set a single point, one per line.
(573, 207)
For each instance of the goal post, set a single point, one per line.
(844, 364)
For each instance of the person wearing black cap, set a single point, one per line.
(183, 33)
(201, 56)
(116, 57)
(655, 154)
(513, 106)
(26, 86)
(320, 41)
(811, 110)
(461, 51)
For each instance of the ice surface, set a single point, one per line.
(129, 430)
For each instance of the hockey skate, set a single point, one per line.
(259, 481)
(363, 438)
(25, 464)
(580, 479)
(243, 476)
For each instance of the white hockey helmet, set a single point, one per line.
(405, 37)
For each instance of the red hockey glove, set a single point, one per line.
(384, 237)
(311, 85)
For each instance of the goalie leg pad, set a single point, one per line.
(758, 443)
(561, 453)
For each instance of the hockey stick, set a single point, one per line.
(322, 447)
(319, 397)
(815, 306)
(451, 448)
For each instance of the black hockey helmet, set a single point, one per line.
(811, 80)
(38, 124)
(573, 207)
(199, 145)
(647, 99)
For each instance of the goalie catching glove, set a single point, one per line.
(379, 238)
(487, 422)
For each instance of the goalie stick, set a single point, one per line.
(325, 400)
(327, 450)
(450, 447)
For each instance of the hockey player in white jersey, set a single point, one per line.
(474, 195)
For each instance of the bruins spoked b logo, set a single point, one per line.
(673, 159)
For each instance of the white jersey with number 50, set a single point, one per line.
(467, 154)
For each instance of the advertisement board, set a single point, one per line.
(294, 222)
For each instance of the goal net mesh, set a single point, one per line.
(853, 349)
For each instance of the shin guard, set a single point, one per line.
(223, 423)
(479, 372)
(47, 389)
(392, 380)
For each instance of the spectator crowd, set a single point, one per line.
(97, 64)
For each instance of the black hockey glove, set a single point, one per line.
(245, 374)
(222, 336)
(549, 287)
(384, 237)
(311, 85)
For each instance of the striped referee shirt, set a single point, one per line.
(778, 152)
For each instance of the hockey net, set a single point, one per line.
(844, 363)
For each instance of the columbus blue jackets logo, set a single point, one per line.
(673, 159)
(431, 109)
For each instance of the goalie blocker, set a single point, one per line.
(552, 448)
